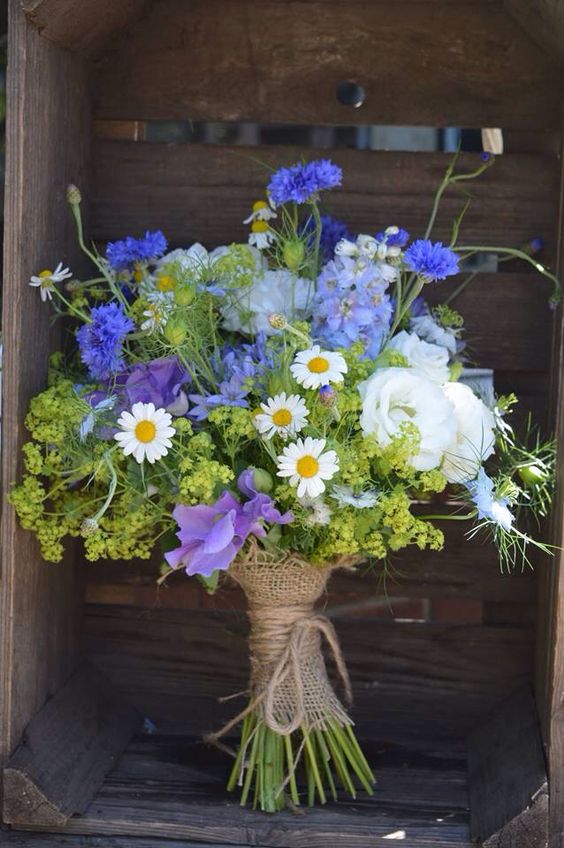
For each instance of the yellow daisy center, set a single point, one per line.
(259, 226)
(138, 275)
(307, 466)
(145, 431)
(165, 283)
(45, 274)
(258, 205)
(318, 365)
(282, 417)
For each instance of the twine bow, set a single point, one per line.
(298, 630)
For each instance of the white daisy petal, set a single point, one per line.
(145, 432)
(307, 466)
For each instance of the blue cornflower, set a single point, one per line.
(431, 260)
(393, 237)
(100, 342)
(301, 182)
(332, 231)
(122, 255)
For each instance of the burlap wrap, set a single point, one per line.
(289, 684)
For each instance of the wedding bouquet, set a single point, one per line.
(276, 410)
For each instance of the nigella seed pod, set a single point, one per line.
(293, 252)
(175, 332)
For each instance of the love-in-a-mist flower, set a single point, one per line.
(46, 280)
(489, 506)
(346, 496)
(282, 415)
(145, 432)
(315, 367)
(308, 464)
(261, 236)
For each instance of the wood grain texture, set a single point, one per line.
(528, 830)
(226, 62)
(67, 750)
(464, 569)
(81, 29)
(40, 604)
(175, 788)
(506, 770)
(543, 21)
(19, 839)
(408, 676)
(203, 192)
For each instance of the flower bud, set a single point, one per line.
(277, 322)
(293, 253)
(532, 475)
(327, 396)
(183, 295)
(88, 526)
(263, 480)
(74, 196)
(175, 331)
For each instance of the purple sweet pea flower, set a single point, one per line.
(159, 382)
(212, 536)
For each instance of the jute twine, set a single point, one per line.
(289, 686)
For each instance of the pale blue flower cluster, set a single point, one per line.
(351, 305)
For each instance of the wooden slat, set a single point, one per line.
(175, 788)
(203, 192)
(40, 604)
(68, 749)
(464, 569)
(226, 62)
(165, 660)
(507, 777)
(84, 29)
(18, 839)
(543, 21)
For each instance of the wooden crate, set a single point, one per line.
(107, 682)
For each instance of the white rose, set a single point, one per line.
(474, 441)
(248, 309)
(431, 360)
(428, 329)
(396, 396)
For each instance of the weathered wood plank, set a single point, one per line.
(203, 192)
(40, 604)
(408, 675)
(67, 750)
(543, 21)
(506, 772)
(84, 29)
(175, 788)
(225, 62)
(18, 839)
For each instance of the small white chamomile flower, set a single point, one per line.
(145, 432)
(346, 496)
(261, 235)
(157, 312)
(262, 211)
(46, 280)
(314, 368)
(307, 466)
(283, 415)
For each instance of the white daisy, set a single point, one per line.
(346, 496)
(261, 235)
(283, 415)
(307, 466)
(46, 280)
(145, 432)
(315, 367)
(262, 211)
